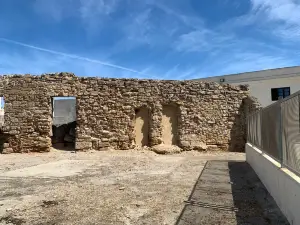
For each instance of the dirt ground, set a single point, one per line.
(113, 187)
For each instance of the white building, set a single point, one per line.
(266, 85)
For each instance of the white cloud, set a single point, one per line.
(274, 18)
(203, 40)
(91, 8)
(56, 10)
(176, 72)
(287, 11)
(245, 61)
(139, 28)
(147, 27)
(280, 17)
(188, 19)
(139, 25)
(91, 13)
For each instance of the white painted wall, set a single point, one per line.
(262, 89)
(282, 184)
(261, 82)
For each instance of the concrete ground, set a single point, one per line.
(113, 187)
(230, 192)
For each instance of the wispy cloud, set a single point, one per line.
(90, 13)
(94, 13)
(138, 28)
(151, 38)
(38, 62)
(69, 55)
(252, 61)
(200, 41)
(151, 25)
(282, 10)
(56, 10)
(245, 61)
(91, 8)
(176, 72)
(280, 18)
(188, 18)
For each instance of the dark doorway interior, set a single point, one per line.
(64, 123)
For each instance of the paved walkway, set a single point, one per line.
(229, 192)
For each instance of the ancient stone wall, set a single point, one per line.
(208, 114)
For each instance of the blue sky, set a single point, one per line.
(160, 39)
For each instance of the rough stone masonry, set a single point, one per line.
(207, 114)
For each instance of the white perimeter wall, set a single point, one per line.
(262, 89)
(281, 183)
(261, 82)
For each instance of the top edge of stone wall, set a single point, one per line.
(72, 76)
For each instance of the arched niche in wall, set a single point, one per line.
(170, 113)
(141, 126)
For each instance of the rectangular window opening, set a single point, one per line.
(63, 123)
(280, 93)
(3, 136)
(2, 111)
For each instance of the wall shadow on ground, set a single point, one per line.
(254, 203)
(227, 193)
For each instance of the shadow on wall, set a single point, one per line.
(238, 132)
(238, 137)
(229, 192)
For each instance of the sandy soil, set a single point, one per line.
(113, 187)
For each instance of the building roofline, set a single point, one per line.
(243, 76)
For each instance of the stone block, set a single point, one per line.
(7, 151)
(83, 145)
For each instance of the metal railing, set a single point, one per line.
(275, 130)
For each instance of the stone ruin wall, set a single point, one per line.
(207, 113)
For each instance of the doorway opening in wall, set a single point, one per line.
(141, 126)
(3, 137)
(1, 111)
(63, 123)
(170, 124)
